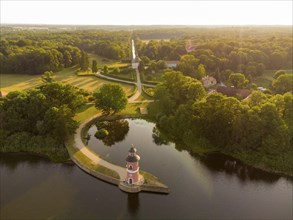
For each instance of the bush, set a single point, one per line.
(101, 124)
(149, 78)
(102, 133)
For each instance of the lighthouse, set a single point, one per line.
(132, 167)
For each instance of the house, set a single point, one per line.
(3, 94)
(208, 81)
(172, 63)
(232, 91)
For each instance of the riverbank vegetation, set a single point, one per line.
(258, 130)
(39, 120)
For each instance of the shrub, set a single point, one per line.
(102, 133)
(101, 124)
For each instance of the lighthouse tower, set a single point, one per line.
(132, 176)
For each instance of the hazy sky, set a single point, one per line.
(147, 12)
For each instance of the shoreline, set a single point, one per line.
(96, 166)
(137, 116)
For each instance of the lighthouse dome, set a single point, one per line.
(132, 156)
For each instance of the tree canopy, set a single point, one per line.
(110, 97)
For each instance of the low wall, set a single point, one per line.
(96, 174)
(154, 189)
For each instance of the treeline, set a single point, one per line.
(161, 50)
(246, 50)
(39, 120)
(260, 125)
(33, 52)
(29, 59)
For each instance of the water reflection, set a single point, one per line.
(158, 137)
(133, 204)
(117, 131)
(219, 162)
(11, 163)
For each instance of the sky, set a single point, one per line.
(147, 12)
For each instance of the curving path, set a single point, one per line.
(94, 157)
(138, 83)
(77, 137)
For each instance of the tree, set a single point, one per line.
(106, 70)
(145, 60)
(188, 65)
(94, 66)
(153, 66)
(279, 73)
(110, 98)
(67, 58)
(257, 98)
(116, 70)
(47, 77)
(201, 72)
(141, 66)
(161, 64)
(238, 80)
(283, 83)
(45, 111)
(59, 123)
(84, 61)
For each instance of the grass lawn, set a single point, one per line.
(152, 77)
(132, 108)
(86, 111)
(13, 82)
(104, 61)
(130, 76)
(266, 79)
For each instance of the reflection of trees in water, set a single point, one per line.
(158, 137)
(133, 204)
(220, 162)
(13, 160)
(117, 131)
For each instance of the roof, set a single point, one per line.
(3, 94)
(232, 91)
(134, 158)
(132, 150)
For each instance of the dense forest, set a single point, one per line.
(34, 52)
(39, 120)
(246, 50)
(260, 126)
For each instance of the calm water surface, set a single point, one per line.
(215, 187)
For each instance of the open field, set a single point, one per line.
(13, 82)
(266, 79)
(131, 75)
(103, 61)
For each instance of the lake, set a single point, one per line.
(212, 187)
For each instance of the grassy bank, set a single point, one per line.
(85, 161)
(282, 164)
(151, 179)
